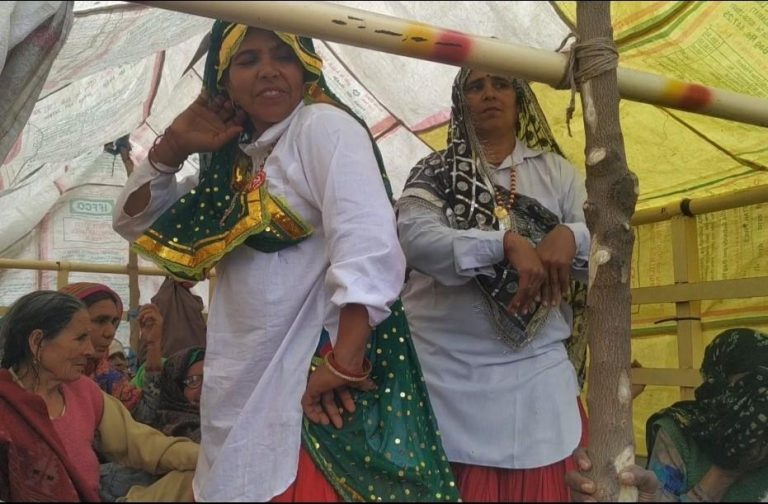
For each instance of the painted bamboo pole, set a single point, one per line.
(698, 206)
(389, 34)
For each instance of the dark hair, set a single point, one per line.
(49, 311)
(519, 93)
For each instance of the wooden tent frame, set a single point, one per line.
(687, 291)
(64, 268)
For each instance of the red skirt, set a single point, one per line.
(475, 483)
(540, 484)
(310, 484)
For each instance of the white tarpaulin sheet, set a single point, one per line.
(121, 71)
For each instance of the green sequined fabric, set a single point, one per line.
(219, 215)
(213, 219)
(389, 449)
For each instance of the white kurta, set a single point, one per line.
(495, 406)
(269, 308)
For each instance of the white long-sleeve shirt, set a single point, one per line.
(269, 308)
(495, 406)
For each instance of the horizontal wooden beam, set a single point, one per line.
(698, 291)
(670, 328)
(76, 267)
(72, 267)
(703, 205)
(667, 377)
(4, 310)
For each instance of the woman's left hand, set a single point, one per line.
(319, 400)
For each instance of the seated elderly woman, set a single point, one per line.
(55, 420)
(714, 448)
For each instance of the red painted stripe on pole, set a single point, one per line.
(696, 97)
(688, 96)
(452, 47)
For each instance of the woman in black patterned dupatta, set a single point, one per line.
(493, 229)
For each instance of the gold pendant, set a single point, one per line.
(500, 212)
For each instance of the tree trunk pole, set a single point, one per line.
(611, 196)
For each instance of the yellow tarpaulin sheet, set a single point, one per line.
(682, 155)
(122, 70)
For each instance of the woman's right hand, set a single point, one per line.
(323, 388)
(205, 126)
(151, 333)
(523, 257)
(150, 324)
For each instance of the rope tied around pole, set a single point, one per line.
(606, 59)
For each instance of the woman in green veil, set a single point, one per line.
(293, 207)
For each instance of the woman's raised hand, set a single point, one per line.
(151, 332)
(151, 324)
(205, 126)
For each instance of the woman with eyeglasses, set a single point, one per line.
(178, 412)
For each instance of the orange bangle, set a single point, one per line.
(333, 367)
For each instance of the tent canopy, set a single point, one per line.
(124, 69)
